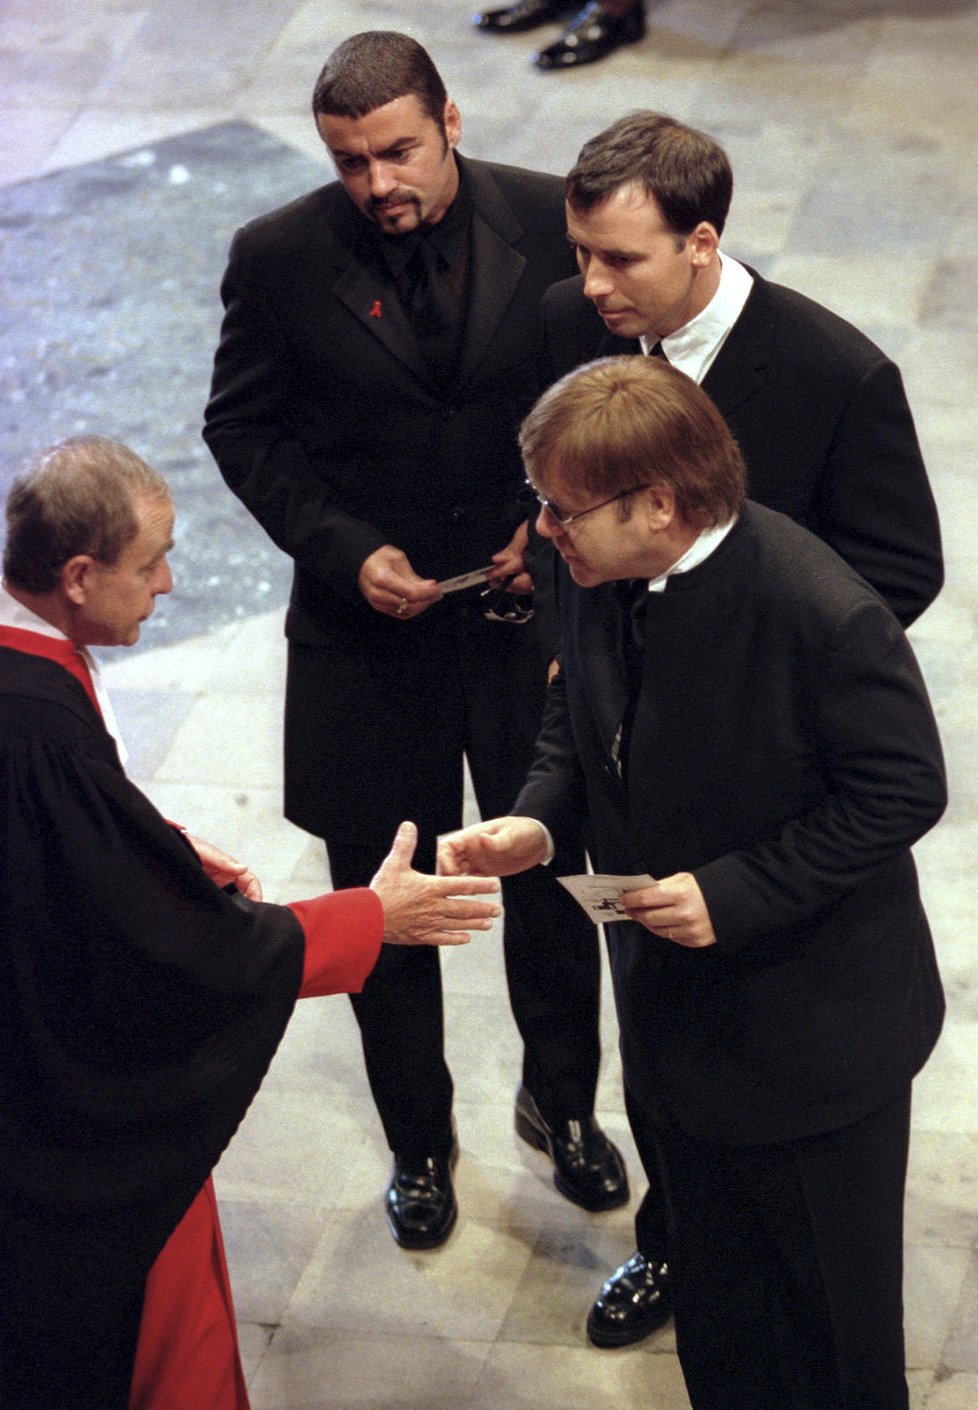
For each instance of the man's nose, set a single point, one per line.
(597, 281)
(545, 525)
(382, 181)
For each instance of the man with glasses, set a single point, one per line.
(377, 354)
(741, 726)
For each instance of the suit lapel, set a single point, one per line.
(497, 267)
(376, 305)
(361, 287)
(742, 364)
(496, 271)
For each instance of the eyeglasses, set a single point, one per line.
(565, 520)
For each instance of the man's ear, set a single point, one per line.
(76, 578)
(703, 245)
(660, 506)
(453, 123)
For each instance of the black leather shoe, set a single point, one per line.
(420, 1200)
(525, 14)
(588, 1169)
(590, 35)
(632, 1304)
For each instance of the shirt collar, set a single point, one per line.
(449, 236)
(15, 614)
(693, 347)
(699, 550)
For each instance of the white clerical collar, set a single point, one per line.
(698, 551)
(15, 614)
(693, 347)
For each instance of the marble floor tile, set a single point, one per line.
(268, 1246)
(301, 1144)
(527, 1377)
(306, 1368)
(933, 1284)
(942, 1192)
(952, 1392)
(459, 1292)
(960, 1352)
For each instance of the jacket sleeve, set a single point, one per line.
(343, 931)
(878, 749)
(246, 426)
(554, 791)
(876, 506)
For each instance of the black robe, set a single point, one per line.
(140, 1006)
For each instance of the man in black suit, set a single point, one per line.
(377, 354)
(741, 719)
(818, 411)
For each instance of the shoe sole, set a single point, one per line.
(534, 1137)
(611, 1341)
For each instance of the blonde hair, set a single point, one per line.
(626, 421)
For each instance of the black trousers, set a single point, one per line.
(787, 1265)
(482, 696)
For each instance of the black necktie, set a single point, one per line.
(433, 307)
(658, 351)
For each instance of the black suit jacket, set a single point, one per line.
(324, 420)
(783, 750)
(823, 422)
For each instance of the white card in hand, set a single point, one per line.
(601, 895)
(464, 580)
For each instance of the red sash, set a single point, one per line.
(54, 648)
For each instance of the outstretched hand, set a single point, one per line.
(429, 910)
(498, 847)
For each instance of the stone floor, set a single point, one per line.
(853, 130)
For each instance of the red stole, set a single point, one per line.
(54, 648)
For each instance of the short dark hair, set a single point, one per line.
(687, 171)
(74, 497)
(371, 69)
(626, 421)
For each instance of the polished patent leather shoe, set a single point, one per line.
(524, 15)
(590, 35)
(634, 1302)
(420, 1200)
(588, 1169)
